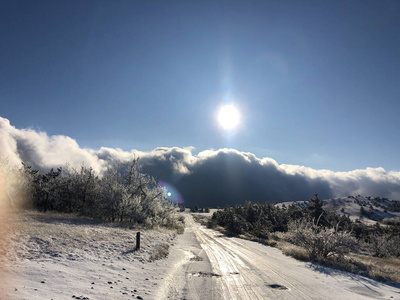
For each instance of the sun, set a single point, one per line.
(228, 117)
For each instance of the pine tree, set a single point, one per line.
(316, 210)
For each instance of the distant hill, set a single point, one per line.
(365, 208)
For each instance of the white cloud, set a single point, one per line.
(43, 151)
(8, 145)
(210, 175)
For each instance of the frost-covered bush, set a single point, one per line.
(321, 242)
(384, 245)
(160, 251)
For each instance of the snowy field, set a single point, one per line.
(54, 256)
(58, 257)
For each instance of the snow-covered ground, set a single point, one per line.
(58, 257)
(377, 209)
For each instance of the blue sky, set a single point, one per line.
(317, 82)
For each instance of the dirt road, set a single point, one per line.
(231, 268)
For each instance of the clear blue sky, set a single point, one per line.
(317, 82)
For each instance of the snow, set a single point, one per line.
(58, 257)
(54, 256)
(351, 205)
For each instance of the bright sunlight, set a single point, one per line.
(228, 117)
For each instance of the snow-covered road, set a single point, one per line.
(240, 269)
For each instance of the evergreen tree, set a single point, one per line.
(316, 211)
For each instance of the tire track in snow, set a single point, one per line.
(250, 270)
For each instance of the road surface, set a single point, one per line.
(221, 267)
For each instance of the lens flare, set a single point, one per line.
(171, 193)
(7, 182)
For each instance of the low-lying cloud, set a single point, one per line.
(209, 178)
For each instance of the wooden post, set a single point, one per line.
(137, 240)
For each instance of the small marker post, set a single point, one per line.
(137, 241)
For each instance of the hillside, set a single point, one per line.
(364, 208)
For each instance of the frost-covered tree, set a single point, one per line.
(27, 177)
(145, 199)
(129, 194)
(111, 192)
(79, 191)
(122, 193)
(47, 189)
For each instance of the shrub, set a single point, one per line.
(212, 224)
(160, 251)
(391, 221)
(384, 245)
(238, 225)
(320, 242)
(176, 224)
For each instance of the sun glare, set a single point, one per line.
(228, 117)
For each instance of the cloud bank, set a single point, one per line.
(209, 178)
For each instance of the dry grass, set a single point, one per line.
(291, 250)
(379, 268)
(280, 241)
